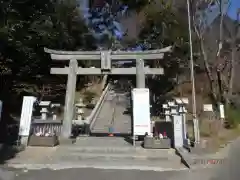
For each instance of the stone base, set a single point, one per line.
(152, 143)
(24, 140)
(66, 141)
(43, 141)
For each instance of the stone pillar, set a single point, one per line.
(178, 130)
(177, 124)
(140, 73)
(69, 99)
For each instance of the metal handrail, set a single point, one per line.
(92, 117)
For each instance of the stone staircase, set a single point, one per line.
(113, 115)
(103, 119)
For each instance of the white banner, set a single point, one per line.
(221, 108)
(141, 111)
(26, 115)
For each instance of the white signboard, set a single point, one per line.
(221, 108)
(178, 130)
(26, 115)
(141, 111)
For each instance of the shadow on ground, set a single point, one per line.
(8, 138)
(8, 152)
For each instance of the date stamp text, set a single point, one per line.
(210, 161)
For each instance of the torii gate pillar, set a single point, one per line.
(69, 99)
(140, 73)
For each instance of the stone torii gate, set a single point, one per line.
(106, 58)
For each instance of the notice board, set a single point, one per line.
(141, 111)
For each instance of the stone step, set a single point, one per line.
(105, 150)
(114, 157)
(73, 156)
(114, 132)
(68, 153)
(112, 145)
(117, 153)
(106, 127)
(115, 127)
(109, 149)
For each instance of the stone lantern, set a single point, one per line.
(166, 112)
(44, 109)
(80, 111)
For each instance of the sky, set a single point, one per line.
(231, 10)
(235, 4)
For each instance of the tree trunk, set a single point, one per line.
(233, 57)
(208, 71)
(231, 74)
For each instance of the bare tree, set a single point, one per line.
(219, 60)
(234, 49)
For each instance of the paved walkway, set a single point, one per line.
(6, 174)
(103, 174)
(228, 170)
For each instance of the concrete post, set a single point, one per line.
(140, 73)
(70, 98)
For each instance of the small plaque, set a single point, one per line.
(55, 105)
(185, 100)
(171, 103)
(208, 108)
(174, 111)
(44, 110)
(184, 110)
(178, 100)
(167, 112)
(44, 103)
(165, 106)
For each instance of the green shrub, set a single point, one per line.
(232, 117)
